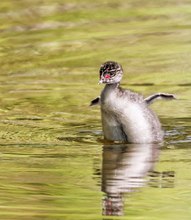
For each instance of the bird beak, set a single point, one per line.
(100, 82)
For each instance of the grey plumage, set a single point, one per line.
(127, 118)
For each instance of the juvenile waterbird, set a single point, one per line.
(126, 116)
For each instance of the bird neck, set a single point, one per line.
(112, 86)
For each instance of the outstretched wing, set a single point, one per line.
(95, 101)
(149, 100)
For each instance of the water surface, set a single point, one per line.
(54, 163)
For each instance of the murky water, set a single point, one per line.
(54, 164)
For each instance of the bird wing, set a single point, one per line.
(149, 100)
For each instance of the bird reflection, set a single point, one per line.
(124, 170)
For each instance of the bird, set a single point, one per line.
(126, 115)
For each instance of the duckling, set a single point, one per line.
(126, 116)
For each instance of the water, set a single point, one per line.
(54, 163)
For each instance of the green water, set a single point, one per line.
(53, 162)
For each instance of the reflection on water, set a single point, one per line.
(50, 54)
(124, 171)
